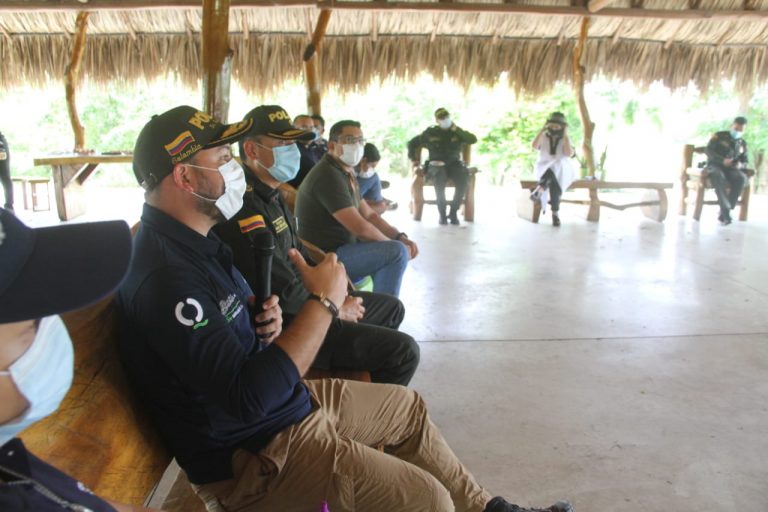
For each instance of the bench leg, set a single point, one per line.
(699, 202)
(469, 200)
(594, 206)
(417, 197)
(744, 209)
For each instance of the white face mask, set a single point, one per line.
(445, 123)
(367, 173)
(43, 375)
(230, 202)
(352, 154)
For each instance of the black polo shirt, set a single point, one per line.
(266, 209)
(189, 348)
(30, 484)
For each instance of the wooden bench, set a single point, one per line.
(37, 188)
(654, 206)
(694, 182)
(420, 180)
(69, 174)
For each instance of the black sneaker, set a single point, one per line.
(443, 220)
(499, 504)
(724, 218)
(555, 220)
(454, 219)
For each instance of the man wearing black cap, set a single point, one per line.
(363, 337)
(44, 272)
(726, 161)
(248, 432)
(444, 141)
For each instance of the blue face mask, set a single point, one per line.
(735, 134)
(286, 162)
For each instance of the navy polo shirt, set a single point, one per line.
(30, 484)
(190, 351)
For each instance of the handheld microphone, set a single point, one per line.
(263, 245)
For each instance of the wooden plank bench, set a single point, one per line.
(654, 207)
(69, 174)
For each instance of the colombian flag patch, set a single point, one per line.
(179, 143)
(251, 223)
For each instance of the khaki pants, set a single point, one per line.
(331, 456)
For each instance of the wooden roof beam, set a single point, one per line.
(622, 12)
(384, 5)
(596, 5)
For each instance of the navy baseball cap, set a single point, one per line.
(51, 270)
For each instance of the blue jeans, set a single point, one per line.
(385, 262)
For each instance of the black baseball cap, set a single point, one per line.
(441, 113)
(274, 121)
(56, 269)
(175, 136)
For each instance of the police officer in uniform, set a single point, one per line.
(5, 172)
(444, 141)
(726, 161)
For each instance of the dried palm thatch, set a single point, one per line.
(530, 51)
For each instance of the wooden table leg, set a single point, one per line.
(594, 206)
(68, 186)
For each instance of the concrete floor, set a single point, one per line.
(620, 365)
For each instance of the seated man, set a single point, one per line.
(248, 432)
(369, 182)
(310, 155)
(45, 272)
(332, 216)
(726, 161)
(444, 141)
(363, 337)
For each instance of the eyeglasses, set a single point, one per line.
(349, 139)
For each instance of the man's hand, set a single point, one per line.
(328, 277)
(728, 162)
(352, 310)
(413, 249)
(270, 321)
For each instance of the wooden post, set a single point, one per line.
(310, 63)
(71, 78)
(216, 69)
(578, 80)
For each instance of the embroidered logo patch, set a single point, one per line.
(196, 321)
(179, 143)
(251, 223)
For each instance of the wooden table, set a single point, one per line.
(70, 172)
(654, 208)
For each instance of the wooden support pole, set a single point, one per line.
(310, 63)
(216, 71)
(578, 80)
(71, 78)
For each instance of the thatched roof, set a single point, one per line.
(533, 50)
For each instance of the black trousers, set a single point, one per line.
(549, 181)
(734, 179)
(5, 171)
(373, 344)
(440, 175)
